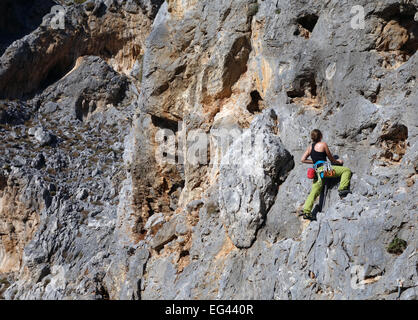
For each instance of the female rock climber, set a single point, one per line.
(319, 152)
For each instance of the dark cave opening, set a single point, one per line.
(304, 86)
(59, 70)
(184, 253)
(254, 106)
(398, 38)
(305, 25)
(164, 123)
(397, 10)
(308, 22)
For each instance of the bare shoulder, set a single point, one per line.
(322, 145)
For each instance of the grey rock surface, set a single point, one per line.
(250, 173)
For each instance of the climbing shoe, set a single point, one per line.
(308, 216)
(343, 193)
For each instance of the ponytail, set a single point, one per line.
(316, 136)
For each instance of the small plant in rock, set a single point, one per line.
(397, 246)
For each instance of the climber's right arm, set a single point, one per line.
(305, 156)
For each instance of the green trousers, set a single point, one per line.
(343, 172)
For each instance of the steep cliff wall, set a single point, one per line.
(153, 153)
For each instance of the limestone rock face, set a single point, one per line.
(250, 173)
(150, 149)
